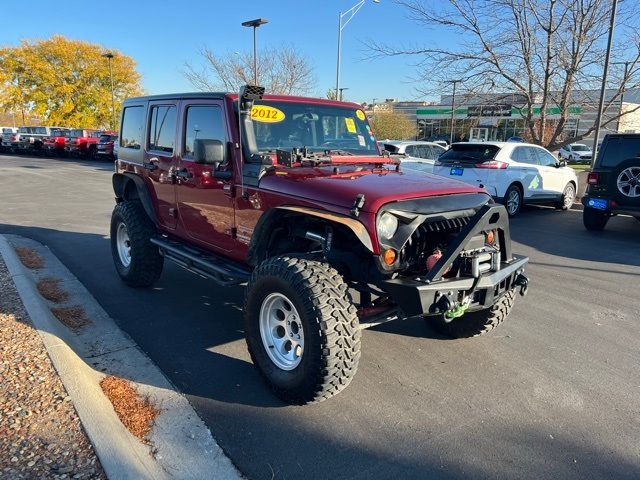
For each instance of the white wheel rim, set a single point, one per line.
(281, 331)
(513, 202)
(629, 182)
(569, 195)
(124, 245)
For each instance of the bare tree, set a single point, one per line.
(542, 51)
(281, 70)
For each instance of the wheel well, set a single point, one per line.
(281, 232)
(517, 184)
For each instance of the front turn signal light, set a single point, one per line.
(490, 237)
(389, 256)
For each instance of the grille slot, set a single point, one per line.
(427, 237)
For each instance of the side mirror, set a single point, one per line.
(561, 163)
(207, 151)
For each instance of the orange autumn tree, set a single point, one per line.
(65, 82)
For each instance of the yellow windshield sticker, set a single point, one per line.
(360, 114)
(351, 125)
(266, 114)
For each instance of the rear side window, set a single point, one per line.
(469, 153)
(524, 155)
(618, 149)
(203, 122)
(132, 122)
(390, 148)
(162, 130)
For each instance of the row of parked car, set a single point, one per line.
(515, 173)
(60, 141)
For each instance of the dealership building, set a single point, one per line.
(497, 117)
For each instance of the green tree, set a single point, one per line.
(65, 82)
(392, 125)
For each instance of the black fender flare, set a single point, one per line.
(265, 224)
(122, 185)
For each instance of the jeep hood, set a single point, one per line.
(339, 185)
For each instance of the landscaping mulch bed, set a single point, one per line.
(40, 433)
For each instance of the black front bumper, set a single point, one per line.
(434, 293)
(416, 297)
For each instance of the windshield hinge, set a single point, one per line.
(358, 203)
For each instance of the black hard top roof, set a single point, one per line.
(178, 96)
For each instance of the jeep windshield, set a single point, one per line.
(318, 127)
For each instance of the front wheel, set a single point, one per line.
(476, 323)
(301, 329)
(594, 220)
(568, 197)
(137, 260)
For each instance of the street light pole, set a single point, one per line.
(453, 108)
(255, 24)
(109, 56)
(614, 6)
(350, 13)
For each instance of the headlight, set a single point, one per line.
(387, 226)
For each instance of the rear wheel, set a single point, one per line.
(301, 329)
(568, 197)
(513, 200)
(476, 323)
(594, 220)
(137, 260)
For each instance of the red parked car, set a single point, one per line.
(106, 144)
(54, 144)
(82, 142)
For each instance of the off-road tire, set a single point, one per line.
(562, 203)
(477, 323)
(146, 262)
(594, 220)
(329, 319)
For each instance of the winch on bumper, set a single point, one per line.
(487, 275)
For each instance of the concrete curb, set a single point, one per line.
(181, 445)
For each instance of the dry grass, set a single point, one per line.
(72, 317)
(29, 257)
(135, 412)
(50, 289)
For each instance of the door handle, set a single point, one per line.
(184, 174)
(152, 165)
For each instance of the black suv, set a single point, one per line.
(613, 185)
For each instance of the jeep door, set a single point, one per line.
(205, 203)
(159, 158)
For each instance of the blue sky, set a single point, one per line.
(162, 35)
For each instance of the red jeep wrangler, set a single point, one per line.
(82, 142)
(292, 197)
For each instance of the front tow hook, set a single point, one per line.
(522, 281)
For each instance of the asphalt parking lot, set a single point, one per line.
(553, 393)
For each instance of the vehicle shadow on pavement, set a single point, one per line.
(181, 322)
(563, 234)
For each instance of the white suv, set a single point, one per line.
(513, 173)
(414, 155)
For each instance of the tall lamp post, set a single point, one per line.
(603, 88)
(255, 24)
(453, 108)
(109, 56)
(341, 24)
